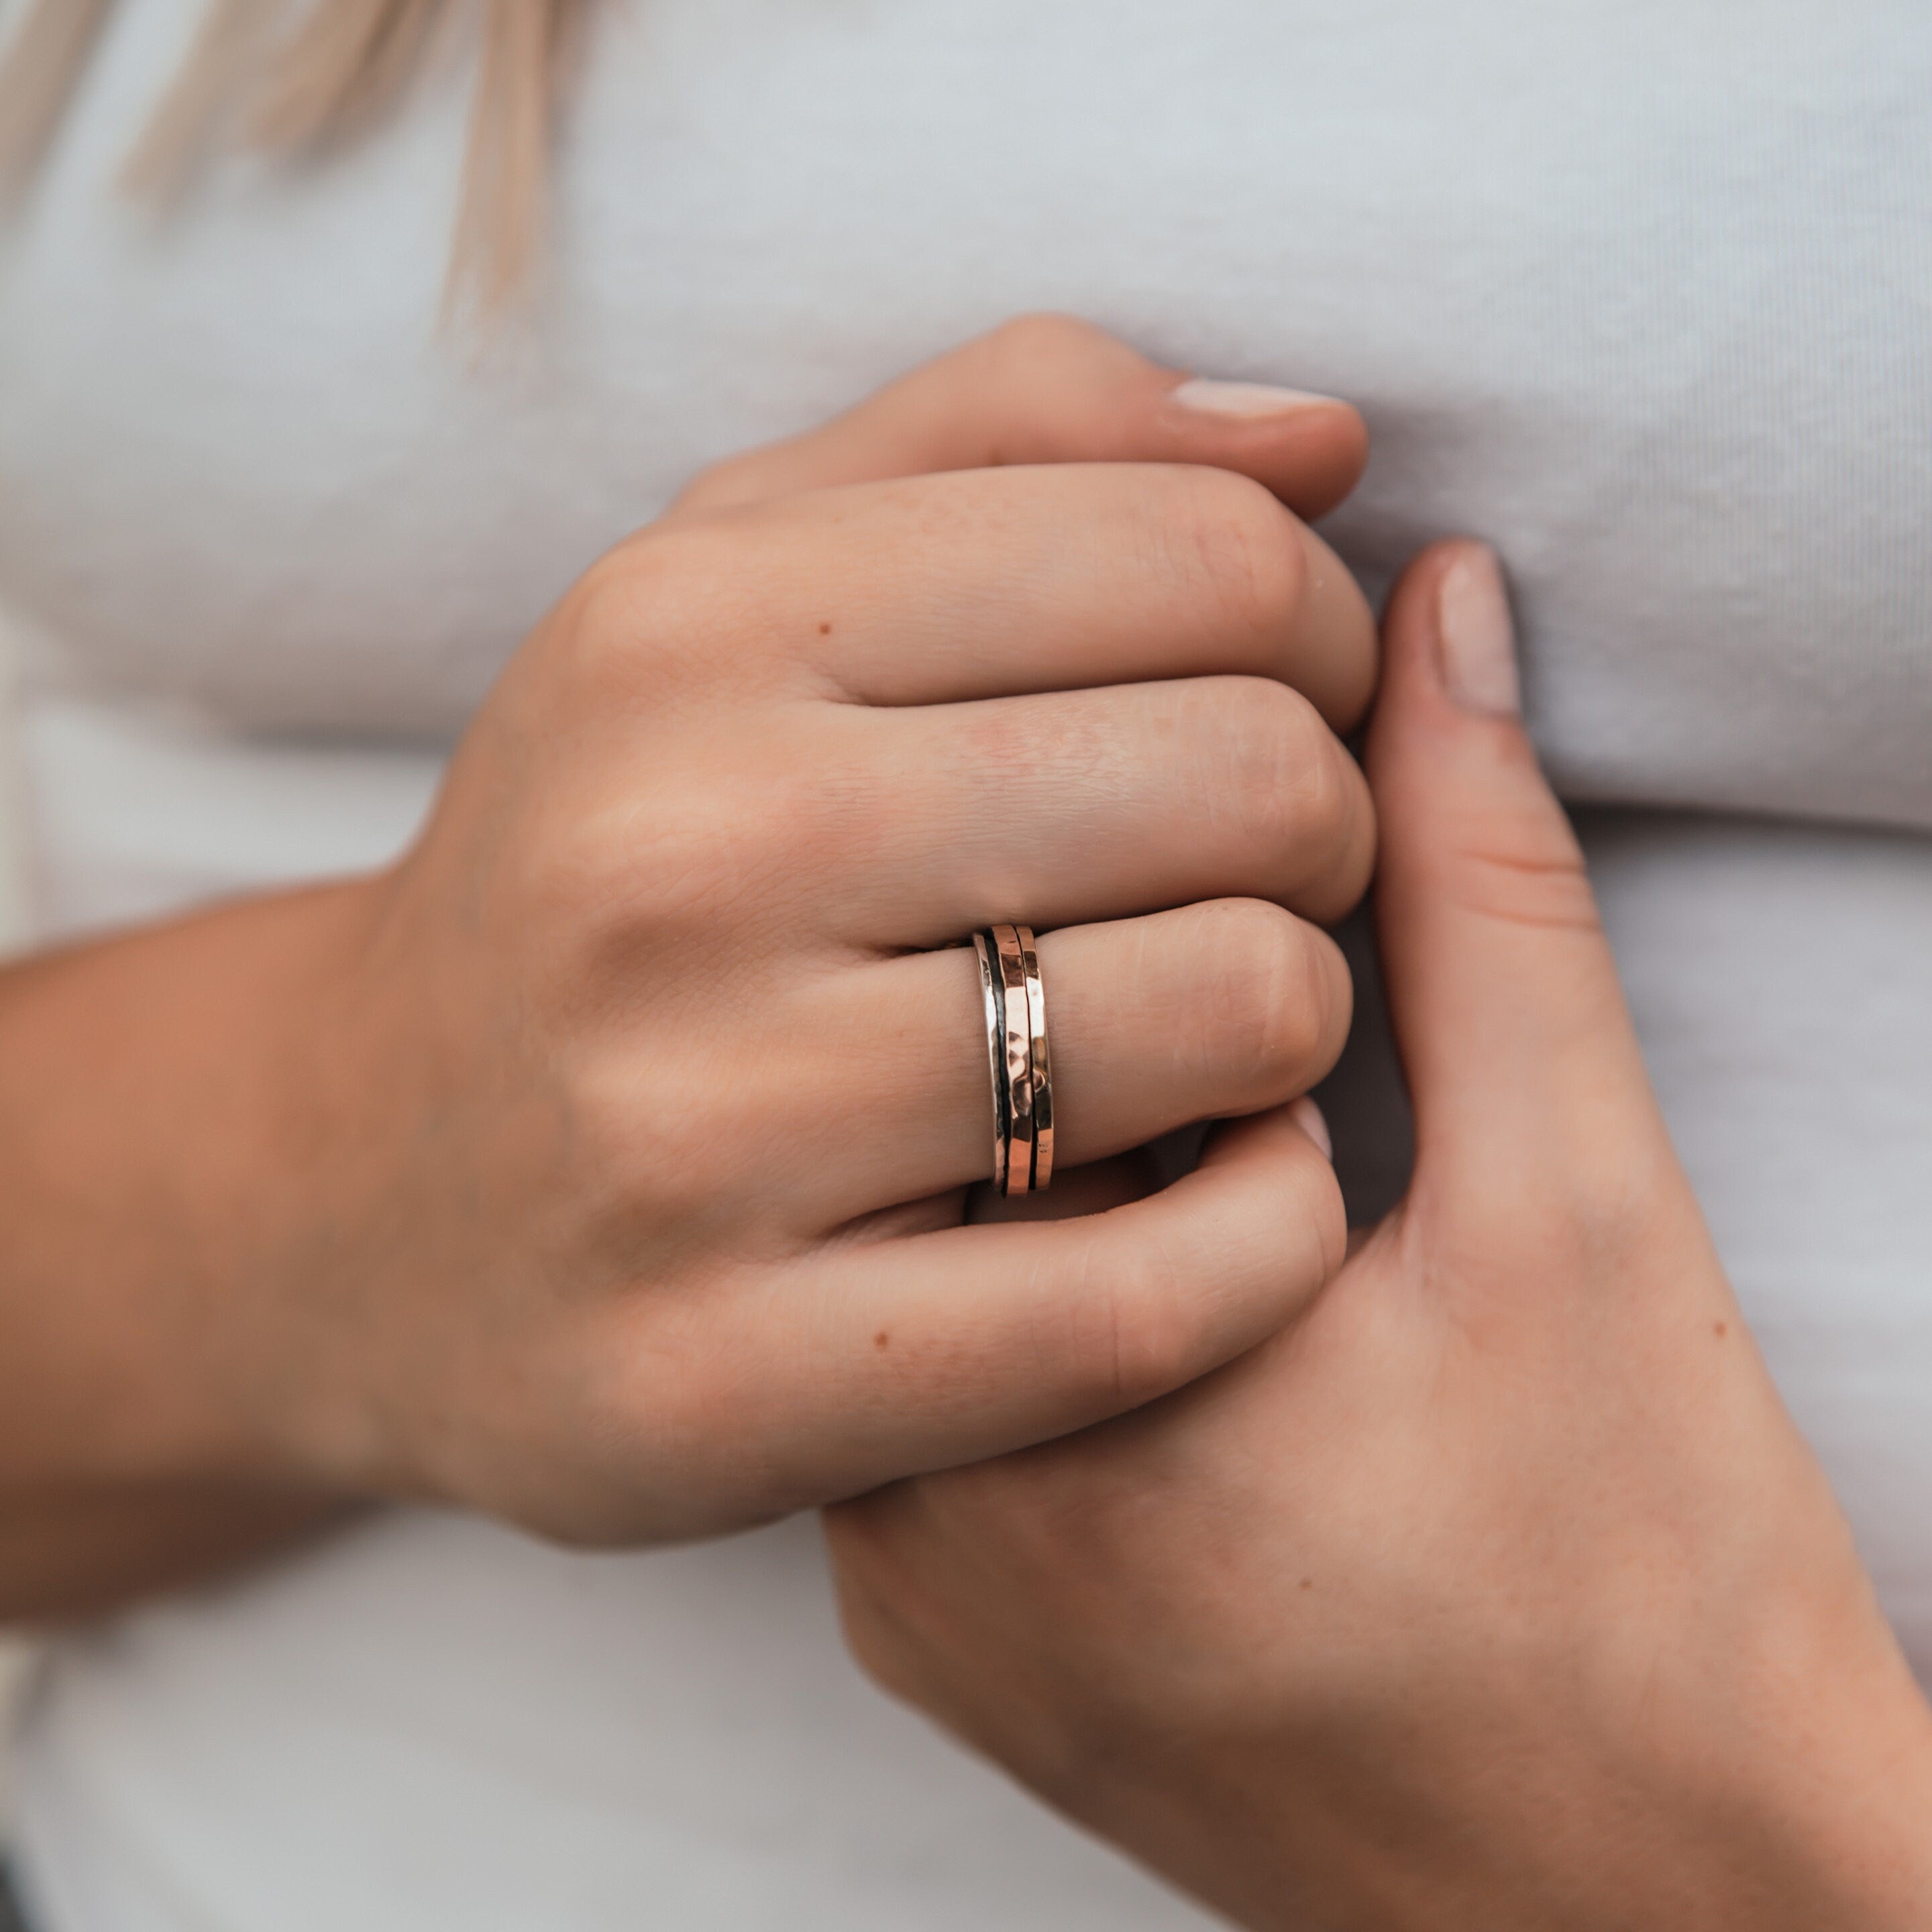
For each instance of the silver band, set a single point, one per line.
(996, 1053)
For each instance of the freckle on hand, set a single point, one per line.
(879, 1340)
(825, 630)
(1721, 1329)
(1308, 1583)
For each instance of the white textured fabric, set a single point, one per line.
(1640, 292)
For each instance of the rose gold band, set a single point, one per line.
(1043, 1077)
(1019, 1060)
(1023, 1097)
(993, 995)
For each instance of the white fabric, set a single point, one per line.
(1640, 292)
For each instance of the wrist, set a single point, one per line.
(161, 1120)
(305, 1204)
(1824, 1799)
(1860, 1812)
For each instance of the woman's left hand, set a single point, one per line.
(1499, 1591)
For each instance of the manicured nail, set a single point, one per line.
(1308, 1117)
(1250, 400)
(1475, 637)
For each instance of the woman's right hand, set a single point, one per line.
(632, 1202)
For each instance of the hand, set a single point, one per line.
(1498, 1592)
(648, 1106)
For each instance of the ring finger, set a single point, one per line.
(1214, 1010)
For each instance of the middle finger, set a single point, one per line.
(1072, 806)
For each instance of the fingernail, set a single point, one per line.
(1248, 400)
(1475, 637)
(1309, 1117)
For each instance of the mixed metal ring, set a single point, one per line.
(1016, 1012)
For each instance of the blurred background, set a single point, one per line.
(11, 907)
(13, 1653)
(11, 898)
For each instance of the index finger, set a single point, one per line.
(1050, 388)
(991, 584)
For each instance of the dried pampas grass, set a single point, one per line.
(43, 66)
(346, 63)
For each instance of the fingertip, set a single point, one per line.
(1409, 618)
(1263, 1213)
(1322, 474)
(1252, 1137)
(1308, 449)
(1260, 402)
(1309, 1118)
(1452, 672)
(1283, 1173)
(1341, 650)
(1448, 622)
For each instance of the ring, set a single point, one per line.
(1018, 1042)
(1043, 1078)
(990, 988)
(1016, 1008)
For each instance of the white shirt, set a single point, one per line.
(1641, 292)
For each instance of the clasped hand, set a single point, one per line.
(1496, 1590)
(605, 1165)
(647, 1137)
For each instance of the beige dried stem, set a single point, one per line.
(348, 60)
(505, 169)
(227, 51)
(41, 69)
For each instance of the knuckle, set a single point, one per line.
(724, 481)
(1314, 1239)
(645, 1157)
(1275, 765)
(1231, 548)
(1258, 998)
(623, 601)
(1139, 1334)
(687, 860)
(1522, 866)
(659, 861)
(1041, 338)
(865, 1632)
(611, 606)
(854, 1538)
(1333, 834)
(663, 599)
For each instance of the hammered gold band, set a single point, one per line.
(1014, 1000)
(1042, 1070)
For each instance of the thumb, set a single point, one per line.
(1048, 389)
(1517, 1045)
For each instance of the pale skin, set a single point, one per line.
(602, 1165)
(605, 1166)
(1497, 1590)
